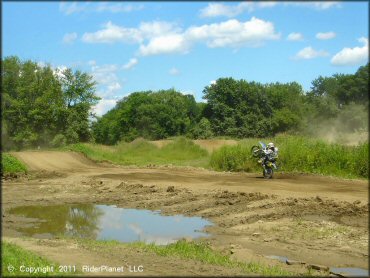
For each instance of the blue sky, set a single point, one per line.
(135, 46)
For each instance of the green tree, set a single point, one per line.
(288, 106)
(38, 104)
(152, 115)
(248, 109)
(30, 95)
(202, 130)
(79, 96)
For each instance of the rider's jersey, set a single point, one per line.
(271, 153)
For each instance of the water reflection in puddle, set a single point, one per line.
(344, 271)
(350, 271)
(280, 258)
(109, 222)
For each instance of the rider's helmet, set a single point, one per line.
(270, 146)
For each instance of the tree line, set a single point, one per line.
(240, 109)
(44, 107)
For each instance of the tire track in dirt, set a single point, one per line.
(298, 216)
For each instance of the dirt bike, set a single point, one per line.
(268, 162)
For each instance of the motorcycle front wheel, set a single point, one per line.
(255, 151)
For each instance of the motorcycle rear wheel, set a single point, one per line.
(268, 173)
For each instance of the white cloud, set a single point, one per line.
(160, 37)
(130, 64)
(310, 53)
(69, 8)
(212, 82)
(267, 4)
(167, 44)
(157, 28)
(107, 79)
(57, 71)
(323, 5)
(69, 38)
(318, 5)
(295, 37)
(325, 36)
(113, 33)
(109, 68)
(117, 8)
(217, 9)
(91, 63)
(174, 71)
(234, 33)
(103, 106)
(105, 74)
(113, 88)
(352, 56)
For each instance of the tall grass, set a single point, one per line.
(10, 164)
(141, 152)
(298, 154)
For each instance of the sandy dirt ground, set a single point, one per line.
(310, 219)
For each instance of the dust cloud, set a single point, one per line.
(349, 127)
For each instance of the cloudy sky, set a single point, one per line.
(130, 46)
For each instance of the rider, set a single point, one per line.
(271, 152)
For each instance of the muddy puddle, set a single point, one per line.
(107, 222)
(350, 271)
(279, 258)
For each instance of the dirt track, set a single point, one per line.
(313, 219)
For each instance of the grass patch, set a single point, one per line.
(10, 164)
(181, 151)
(18, 258)
(193, 251)
(298, 154)
(311, 231)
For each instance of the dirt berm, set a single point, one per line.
(312, 219)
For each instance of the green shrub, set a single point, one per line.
(298, 154)
(202, 130)
(10, 164)
(59, 141)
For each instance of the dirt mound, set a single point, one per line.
(209, 145)
(54, 160)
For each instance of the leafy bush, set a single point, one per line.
(10, 164)
(298, 154)
(72, 136)
(59, 141)
(202, 130)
